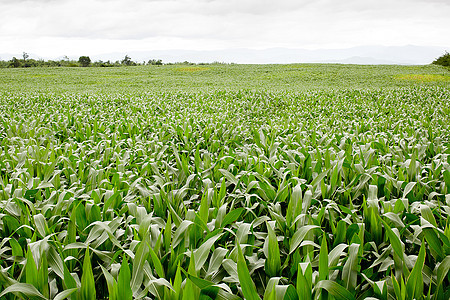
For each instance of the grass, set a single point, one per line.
(424, 77)
(254, 182)
(295, 77)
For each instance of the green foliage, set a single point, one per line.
(87, 288)
(223, 194)
(443, 60)
(15, 63)
(84, 61)
(203, 78)
(126, 61)
(156, 62)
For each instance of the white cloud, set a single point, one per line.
(96, 26)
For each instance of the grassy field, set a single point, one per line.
(225, 182)
(194, 78)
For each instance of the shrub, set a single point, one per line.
(443, 60)
(15, 63)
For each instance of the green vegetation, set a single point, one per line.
(225, 182)
(83, 61)
(443, 60)
(219, 77)
(424, 77)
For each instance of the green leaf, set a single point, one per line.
(319, 178)
(180, 232)
(245, 280)
(304, 280)
(380, 289)
(55, 262)
(202, 253)
(16, 248)
(393, 238)
(414, 283)
(408, 188)
(335, 254)
(299, 235)
(190, 291)
(434, 243)
(230, 177)
(216, 260)
(323, 259)
(350, 272)
(64, 294)
(204, 207)
(41, 225)
(111, 283)
(209, 293)
(232, 216)
(291, 293)
(339, 235)
(294, 205)
(427, 214)
(87, 289)
(168, 233)
(139, 260)
(24, 288)
(335, 289)
(199, 282)
(396, 285)
(177, 281)
(124, 291)
(156, 262)
(43, 275)
(80, 216)
(68, 282)
(443, 269)
(270, 292)
(31, 270)
(273, 261)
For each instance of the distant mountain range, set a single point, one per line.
(405, 55)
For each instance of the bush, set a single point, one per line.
(155, 62)
(84, 61)
(101, 63)
(444, 60)
(15, 63)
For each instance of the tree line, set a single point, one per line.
(83, 61)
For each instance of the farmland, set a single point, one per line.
(225, 182)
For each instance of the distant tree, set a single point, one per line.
(84, 61)
(154, 62)
(101, 63)
(126, 61)
(14, 63)
(25, 57)
(443, 60)
(30, 63)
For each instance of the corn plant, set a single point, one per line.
(337, 194)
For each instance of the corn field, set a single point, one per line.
(337, 194)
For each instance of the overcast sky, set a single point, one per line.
(53, 28)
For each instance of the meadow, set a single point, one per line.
(225, 182)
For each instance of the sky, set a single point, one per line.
(54, 28)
